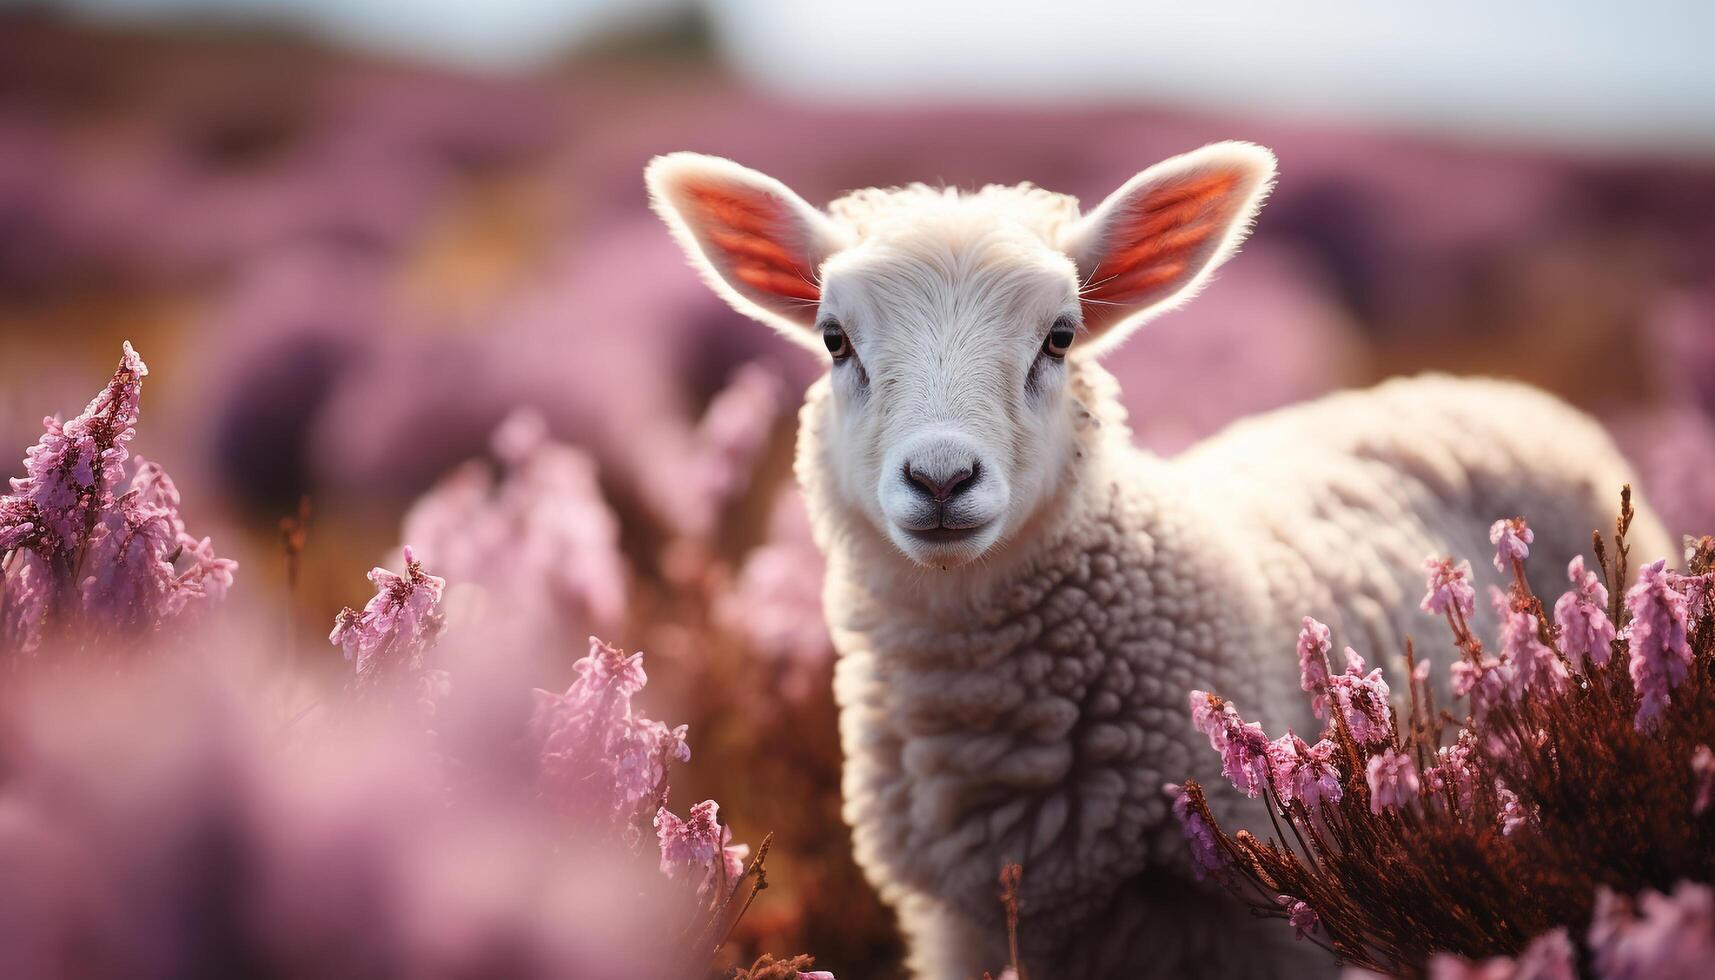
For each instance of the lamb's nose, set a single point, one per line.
(941, 486)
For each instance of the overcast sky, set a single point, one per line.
(1581, 73)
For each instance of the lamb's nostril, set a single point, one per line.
(941, 488)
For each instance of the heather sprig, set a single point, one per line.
(92, 547)
(1413, 842)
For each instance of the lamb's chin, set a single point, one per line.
(944, 548)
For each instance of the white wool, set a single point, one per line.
(1015, 659)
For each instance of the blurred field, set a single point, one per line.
(346, 271)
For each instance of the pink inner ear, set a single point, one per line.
(1161, 242)
(751, 231)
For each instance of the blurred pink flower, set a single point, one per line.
(1666, 936)
(1363, 700)
(1206, 855)
(1512, 538)
(1582, 615)
(1660, 651)
(1450, 591)
(597, 758)
(776, 601)
(1303, 772)
(1549, 956)
(539, 541)
(1392, 778)
(1702, 779)
(1528, 662)
(1244, 752)
(1513, 814)
(1302, 917)
(398, 627)
(1314, 642)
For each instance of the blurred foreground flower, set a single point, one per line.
(1489, 855)
(91, 543)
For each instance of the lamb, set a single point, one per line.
(1021, 599)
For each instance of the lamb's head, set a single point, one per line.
(953, 321)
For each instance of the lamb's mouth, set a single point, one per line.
(944, 535)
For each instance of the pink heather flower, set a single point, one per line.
(1208, 715)
(821, 975)
(1670, 936)
(399, 625)
(1362, 700)
(1528, 661)
(1393, 780)
(1303, 772)
(1449, 587)
(729, 439)
(596, 757)
(1549, 956)
(700, 845)
(1660, 651)
(1512, 538)
(1302, 917)
(1244, 758)
(1582, 615)
(95, 543)
(1452, 769)
(538, 538)
(1207, 858)
(1314, 642)
(1513, 814)
(1485, 683)
(1703, 779)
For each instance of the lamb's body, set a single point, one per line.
(1031, 709)
(1022, 601)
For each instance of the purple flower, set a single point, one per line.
(91, 545)
(1528, 660)
(1513, 814)
(1362, 700)
(1660, 651)
(1299, 913)
(1303, 772)
(1393, 780)
(1208, 715)
(1511, 538)
(540, 541)
(597, 759)
(1245, 755)
(399, 625)
(1549, 956)
(1452, 770)
(1485, 683)
(1669, 936)
(1702, 779)
(1582, 615)
(700, 844)
(1449, 587)
(1314, 642)
(1207, 858)
(815, 975)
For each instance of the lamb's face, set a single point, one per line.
(947, 336)
(947, 319)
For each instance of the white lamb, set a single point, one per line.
(1022, 600)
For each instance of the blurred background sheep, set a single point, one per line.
(354, 238)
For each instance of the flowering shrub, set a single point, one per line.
(92, 546)
(1581, 772)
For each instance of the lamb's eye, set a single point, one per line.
(1059, 339)
(835, 338)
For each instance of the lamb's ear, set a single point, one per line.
(1151, 245)
(759, 245)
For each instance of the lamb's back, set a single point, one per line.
(1344, 497)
